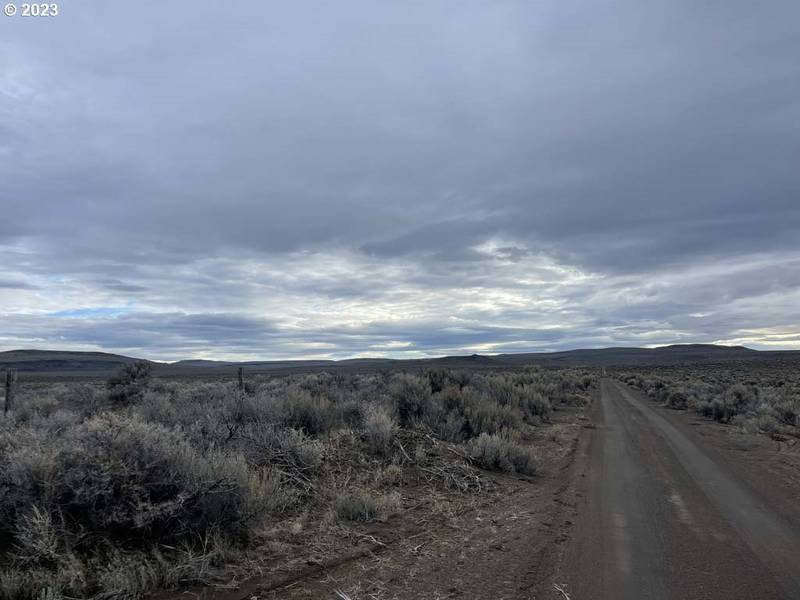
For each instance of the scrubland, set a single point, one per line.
(756, 398)
(112, 490)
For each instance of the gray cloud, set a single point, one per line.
(15, 285)
(354, 179)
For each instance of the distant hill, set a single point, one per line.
(64, 362)
(201, 363)
(664, 355)
(102, 364)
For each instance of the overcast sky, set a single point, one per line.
(337, 179)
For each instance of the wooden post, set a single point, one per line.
(11, 380)
(241, 379)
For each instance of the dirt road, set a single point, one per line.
(644, 502)
(663, 514)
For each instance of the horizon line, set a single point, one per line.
(356, 357)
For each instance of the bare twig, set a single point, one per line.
(403, 450)
(459, 476)
(561, 590)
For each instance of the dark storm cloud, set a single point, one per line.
(554, 176)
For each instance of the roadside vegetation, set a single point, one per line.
(110, 491)
(756, 398)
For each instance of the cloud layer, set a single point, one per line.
(189, 180)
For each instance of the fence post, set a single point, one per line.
(241, 379)
(11, 380)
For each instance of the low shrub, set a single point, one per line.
(123, 475)
(357, 506)
(379, 431)
(265, 444)
(362, 507)
(487, 418)
(677, 398)
(500, 453)
(312, 415)
(412, 398)
(110, 492)
(37, 541)
(763, 398)
(534, 404)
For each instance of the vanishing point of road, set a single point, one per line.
(664, 516)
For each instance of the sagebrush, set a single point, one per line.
(112, 490)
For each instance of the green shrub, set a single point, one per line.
(129, 384)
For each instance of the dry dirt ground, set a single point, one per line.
(673, 507)
(504, 542)
(633, 501)
(503, 546)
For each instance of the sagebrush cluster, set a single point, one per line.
(112, 490)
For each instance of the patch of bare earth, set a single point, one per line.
(460, 533)
(759, 461)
